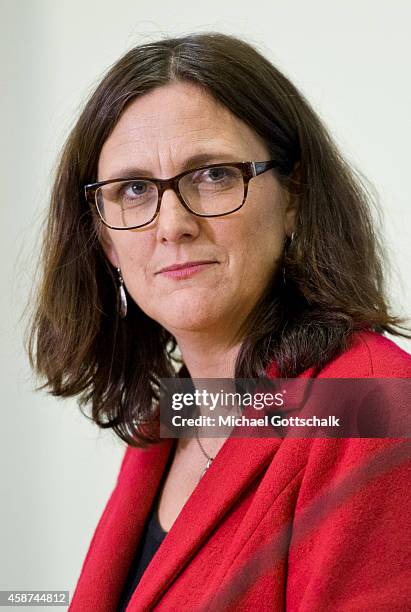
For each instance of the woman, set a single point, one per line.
(200, 204)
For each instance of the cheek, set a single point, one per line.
(134, 256)
(258, 244)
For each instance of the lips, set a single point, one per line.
(188, 264)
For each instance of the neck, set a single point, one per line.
(205, 358)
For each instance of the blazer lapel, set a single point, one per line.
(236, 465)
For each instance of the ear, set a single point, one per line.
(290, 217)
(292, 200)
(108, 247)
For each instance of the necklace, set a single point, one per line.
(209, 459)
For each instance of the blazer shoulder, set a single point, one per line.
(370, 355)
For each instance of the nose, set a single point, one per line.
(174, 222)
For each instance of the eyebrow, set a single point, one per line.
(191, 162)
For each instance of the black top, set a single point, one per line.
(151, 539)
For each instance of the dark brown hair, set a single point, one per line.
(333, 268)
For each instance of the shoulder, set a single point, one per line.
(369, 355)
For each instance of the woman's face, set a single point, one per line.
(160, 134)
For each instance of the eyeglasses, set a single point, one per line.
(209, 191)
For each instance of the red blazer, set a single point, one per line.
(297, 525)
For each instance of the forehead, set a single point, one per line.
(172, 123)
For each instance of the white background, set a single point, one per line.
(351, 60)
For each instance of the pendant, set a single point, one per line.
(209, 461)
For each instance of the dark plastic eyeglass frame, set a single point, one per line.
(248, 169)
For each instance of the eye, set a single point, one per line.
(219, 175)
(134, 190)
(216, 174)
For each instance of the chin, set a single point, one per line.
(192, 323)
(189, 317)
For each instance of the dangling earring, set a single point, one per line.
(122, 296)
(287, 246)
